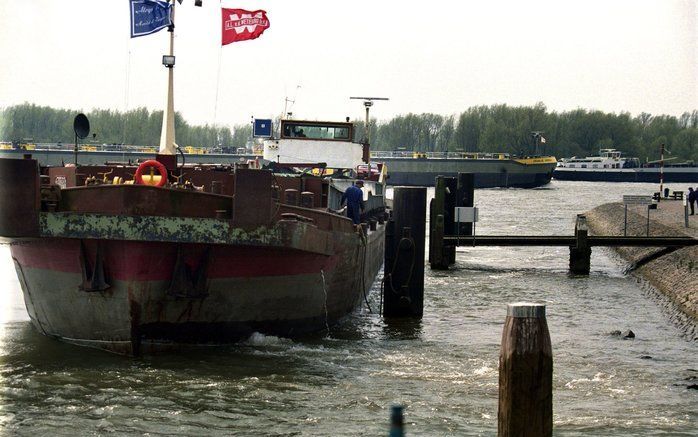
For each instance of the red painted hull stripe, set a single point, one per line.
(150, 261)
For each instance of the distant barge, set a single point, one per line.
(490, 169)
(610, 166)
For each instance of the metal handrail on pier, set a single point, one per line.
(562, 240)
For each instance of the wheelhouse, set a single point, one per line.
(317, 130)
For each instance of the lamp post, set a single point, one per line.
(167, 134)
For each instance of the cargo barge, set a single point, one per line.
(490, 169)
(611, 166)
(135, 259)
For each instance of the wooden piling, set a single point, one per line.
(465, 196)
(450, 202)
(396, 422)
(403, 290)
(580, 253)
(438, 259)
(525, 373)
(438, 253)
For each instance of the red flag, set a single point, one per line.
(240, 25)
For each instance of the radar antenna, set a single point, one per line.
(368, 102)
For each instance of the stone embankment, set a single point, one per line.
(675, 274)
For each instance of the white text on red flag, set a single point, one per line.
(241, 25)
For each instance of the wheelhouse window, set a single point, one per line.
(316, 130)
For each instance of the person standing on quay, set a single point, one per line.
(354, 199)
(692, 198)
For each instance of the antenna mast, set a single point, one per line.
(368, 102)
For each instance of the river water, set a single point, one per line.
(442, 369)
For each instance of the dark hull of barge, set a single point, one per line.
(647, 175)
(489, 173)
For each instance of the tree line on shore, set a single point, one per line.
(493, 128)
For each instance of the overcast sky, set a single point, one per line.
(436, 56)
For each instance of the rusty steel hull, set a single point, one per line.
(216, 254)
(271, 290)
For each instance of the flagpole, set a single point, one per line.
(167, 135)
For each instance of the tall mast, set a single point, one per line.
(536, 142)
(167, 135)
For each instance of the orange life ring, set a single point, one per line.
(151, 163)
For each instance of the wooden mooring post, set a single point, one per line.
(580, 253)
(449, 193)
(450, 203)
(396, 422)
(465, 197)
(525, 374)
(439, 255)
(403, 289)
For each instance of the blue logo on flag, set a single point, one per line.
(149, 16)
(262, 128)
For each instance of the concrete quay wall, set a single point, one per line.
(674, 274)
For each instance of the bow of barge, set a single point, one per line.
(133, 268)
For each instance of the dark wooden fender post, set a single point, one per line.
(580, 254)
(465, 196)
(450, 199)
(525, 374)
(432, 240)
(20, 192)
(403, 292)
(438, 258)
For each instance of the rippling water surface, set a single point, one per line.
(443, 369)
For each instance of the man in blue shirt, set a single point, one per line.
(354, 199)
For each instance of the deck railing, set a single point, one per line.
(438, 155)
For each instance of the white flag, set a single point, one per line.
(542, 140)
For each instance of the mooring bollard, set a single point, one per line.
(525, 373)
(291, 196)
(580, 253)
(403, 290)
(396, 422)
(307, 199)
